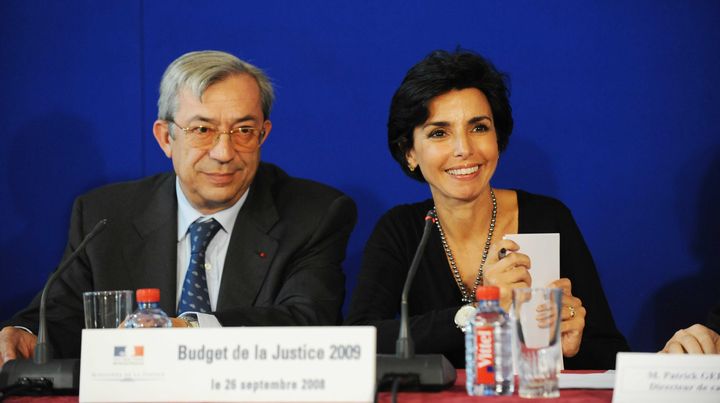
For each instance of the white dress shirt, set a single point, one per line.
(216, 250)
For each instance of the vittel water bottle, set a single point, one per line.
(488, 347)
(148, 313)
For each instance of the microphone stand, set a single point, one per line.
(421, 371)
(43, 375)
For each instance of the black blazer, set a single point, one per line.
(283, 264)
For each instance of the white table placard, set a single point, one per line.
(659, 378)
(298, 364)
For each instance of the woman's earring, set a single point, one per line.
(412, 167)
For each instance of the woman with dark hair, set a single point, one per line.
(449, 121)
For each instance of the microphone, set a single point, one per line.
(42, 374)
(423, 371)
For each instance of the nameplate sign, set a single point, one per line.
(649, 377)
(280, 364)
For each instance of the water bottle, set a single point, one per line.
(148, 313)
(488, 347)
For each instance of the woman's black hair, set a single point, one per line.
(438, 73)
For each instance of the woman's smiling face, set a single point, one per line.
(456, 147)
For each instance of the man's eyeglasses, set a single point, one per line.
(244, 138)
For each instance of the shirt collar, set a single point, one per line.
(188, 215)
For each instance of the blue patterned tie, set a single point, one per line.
(195, 297)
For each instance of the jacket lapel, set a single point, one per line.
(251, 249)
(151, 251)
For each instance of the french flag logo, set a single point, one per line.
(119, 351)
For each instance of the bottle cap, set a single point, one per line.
(487, 293)
(148, 295)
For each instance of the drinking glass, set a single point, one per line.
(536, 313)
(106, 309)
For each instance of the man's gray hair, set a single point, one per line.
(197, 71)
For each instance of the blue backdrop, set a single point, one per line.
(616, 107)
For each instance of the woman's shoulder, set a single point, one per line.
(540, 213)
(536, 202)
(404, 218)
(402, 224)
(411, 211)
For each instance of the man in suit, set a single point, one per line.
(274, 255)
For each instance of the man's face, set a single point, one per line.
(214, 177)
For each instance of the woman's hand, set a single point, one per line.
(507, 273)
(573, 318)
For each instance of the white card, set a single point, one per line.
(665, 378)
(231, 364)
(596, 380)
(544, 253)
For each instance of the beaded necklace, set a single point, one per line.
(468, 298)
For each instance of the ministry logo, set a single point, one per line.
(129, 355)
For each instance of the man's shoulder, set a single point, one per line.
(128, 192)
(289, 189)
(300, 203)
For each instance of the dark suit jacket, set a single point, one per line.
(713, 321)
(283, 264)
